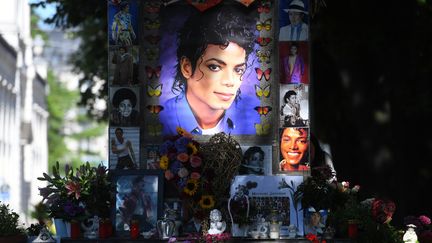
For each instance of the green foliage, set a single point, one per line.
(9, 221)
(79, 194)
(87, 20)
(59, 101)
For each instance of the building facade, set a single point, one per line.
(23, 112)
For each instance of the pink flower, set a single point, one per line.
(425, 220)
(183, 172)
(183, 157)
(169, 175)
(345, 184)
(356, 188)
(73, 188)
(195, 175)
(195, 161)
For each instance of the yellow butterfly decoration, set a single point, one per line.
(266, 25)
(154, 129)
(262, 129)
(262, 92)
(154, 91)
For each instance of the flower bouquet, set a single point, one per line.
(183, 166)
(77, 195)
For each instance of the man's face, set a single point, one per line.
(125, 108)
(217, 77)
(119, 134)
(295, 17)
(256, 161)
(293, 50)
(315, 219)
(293, 145)
(292, 99)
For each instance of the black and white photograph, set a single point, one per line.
(294, 106)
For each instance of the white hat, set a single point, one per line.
(296, 6)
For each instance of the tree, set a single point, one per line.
(59, 101)
(87, 20)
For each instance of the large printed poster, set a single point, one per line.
(208, 76)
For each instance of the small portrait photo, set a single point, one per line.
(315, 221)
(123, 65)
(124, 106)
(208, 73)
(294, 20)
(256, 160)
(138, 197)
(294, 105)
(293, 62)
(294, 149)
(152, 157)
(123, 22)
(124, 148)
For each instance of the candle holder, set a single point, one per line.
(134, 229)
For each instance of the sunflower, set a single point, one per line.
(193, 148)
(163, 163)
(207, 202)
(191, 187)
(180, 131)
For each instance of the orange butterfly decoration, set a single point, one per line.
(155, 109)
(263, 110)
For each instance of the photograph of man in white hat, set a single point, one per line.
(297, 29)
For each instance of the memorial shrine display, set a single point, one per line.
(209, 135)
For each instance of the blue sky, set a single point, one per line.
(46, 12)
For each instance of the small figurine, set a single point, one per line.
(44, 236)
(410, 235)
(217, 226)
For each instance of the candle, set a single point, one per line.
(134, 229)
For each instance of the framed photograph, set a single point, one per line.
(124, 148)
(267, 193)
(123, 65)
(125, 106)
(293, 62)
(139, 196)
(152, 157)
(256, 160)
(123, 22)
(294, 105)
(294, 151)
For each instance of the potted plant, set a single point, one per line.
(10, 229)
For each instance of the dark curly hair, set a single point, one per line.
(123, 94)
(219, 25)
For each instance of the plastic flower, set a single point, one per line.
(425, 220)
(169, 175)
(311, 237)
(193, 148)
(195, 161)
(74, 188)
(183, 172)
(183, 157)
(191, 187)
(163, 163)
(356, 188)
(207, 202)
(195, 175)
(181, 144)
(183, 132)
